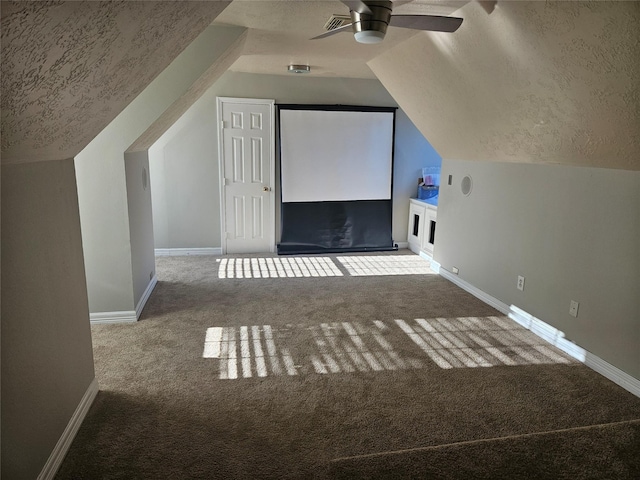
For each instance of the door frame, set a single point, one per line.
(272, 160)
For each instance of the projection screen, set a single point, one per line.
(336, 167)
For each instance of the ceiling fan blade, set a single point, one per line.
(334, 31)
(434, 23)
(357, 6)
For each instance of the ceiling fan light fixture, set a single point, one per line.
(299, 68)
(369, 36)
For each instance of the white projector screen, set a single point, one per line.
(334, 155)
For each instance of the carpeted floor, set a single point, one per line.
(268, 367)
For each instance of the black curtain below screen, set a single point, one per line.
(316, 227)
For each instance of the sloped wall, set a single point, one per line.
(68, 68)
(535, 82)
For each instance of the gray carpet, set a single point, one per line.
(398, 376)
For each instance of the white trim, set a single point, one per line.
(551, 335)
(272, 157)
(414, 248)
(545, 331)
(614, 374)
(572, 349)
(175, 252)
(425, 255)
(476, 292)
(64, 442)
(520, 316)
(128, 316)
(145, 296)
(435, 266)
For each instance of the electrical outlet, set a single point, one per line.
(573, 308)
(455, 270)
(520, 283)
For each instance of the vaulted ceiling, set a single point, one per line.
(532, 81)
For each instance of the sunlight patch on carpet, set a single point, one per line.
(479, 342)
(335, 347)
(379, 265)
(278, 267)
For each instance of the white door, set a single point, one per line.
(247, 175)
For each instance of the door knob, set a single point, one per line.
(266, 189)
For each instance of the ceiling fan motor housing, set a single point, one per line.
(371, 27)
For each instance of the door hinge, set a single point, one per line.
(222, 125)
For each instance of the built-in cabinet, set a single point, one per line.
(422, 226)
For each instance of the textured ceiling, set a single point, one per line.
(68, 68)
(535, 82)
(280, 33)
(541, 82)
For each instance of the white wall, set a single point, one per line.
(572, 232)
(184, 162)
(47, 361)
(100, 170)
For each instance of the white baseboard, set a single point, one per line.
(145, 296)
(476, 292)
(113, 317)
(614, 374)
(402, 245)
(435, 266)
(128, 316)
(171, 252)
(62, 447)
(551, 335)
(425, 255)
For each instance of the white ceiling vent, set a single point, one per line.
(337, 21)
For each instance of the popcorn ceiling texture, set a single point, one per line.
(534, 82)
(69, 68)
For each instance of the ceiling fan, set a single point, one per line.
(370, 19)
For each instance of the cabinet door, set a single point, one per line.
(416, 221)
(429, 231)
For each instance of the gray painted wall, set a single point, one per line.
(573, 232)
(101, 176)
(143, 263)
(184, 162)
(47, 361)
